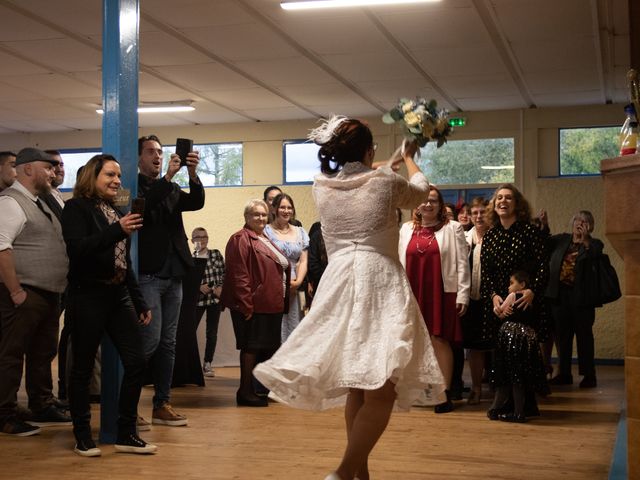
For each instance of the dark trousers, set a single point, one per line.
(213, 318)
(572, 320)
(29, 336)
(93, 311)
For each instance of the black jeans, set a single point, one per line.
(572, 320)
(213, 318)
(29, 335)
(94, 310)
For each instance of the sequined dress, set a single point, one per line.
(364, 326)
(517, 356)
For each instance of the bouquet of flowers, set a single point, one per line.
(421, 121)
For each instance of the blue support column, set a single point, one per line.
(119, 138)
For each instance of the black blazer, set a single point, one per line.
(558, 245)
(162, 227)
(90, 246)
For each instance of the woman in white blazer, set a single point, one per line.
(435, 255)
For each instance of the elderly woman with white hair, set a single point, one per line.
(256, 291)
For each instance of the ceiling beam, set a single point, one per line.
(410, 58)
(175, 33)
(96, 46)
(501, 44)
(315, 59)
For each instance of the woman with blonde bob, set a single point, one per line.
(434, 252)
(363, 343)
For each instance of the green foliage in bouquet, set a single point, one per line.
(420, 121)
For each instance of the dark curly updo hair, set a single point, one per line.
(341, 140)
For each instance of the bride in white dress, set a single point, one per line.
(364, 341)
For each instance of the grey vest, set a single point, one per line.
(39, 251)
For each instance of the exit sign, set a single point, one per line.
(457, 121)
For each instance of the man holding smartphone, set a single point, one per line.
(164, 258)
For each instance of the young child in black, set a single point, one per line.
(518, 363)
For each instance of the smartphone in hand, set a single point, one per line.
(183, 147)
(137, 206)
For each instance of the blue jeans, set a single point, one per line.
(164, 297)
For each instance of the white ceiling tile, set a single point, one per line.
(38, 126)
(206, 77)
(275, 114)
(283, 72)
(389, 92)
(9, 92)
(339, 35)
(576, 98)
(47, 109)
(12, 65)
(79, 16)
(354, 109)
(314, 95)
(546, 55)
(364, 66)
(247, 98)
(60, 53)
(52, 85)
(478, 85)
(565, 80)
(150, 85)
(243, 42)
(16, 26)
(522, 21)
(196, 13)
(159, 48)
(470, 60)
(503, 102)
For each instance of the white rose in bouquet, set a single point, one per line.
(411, 119)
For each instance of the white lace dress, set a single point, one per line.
(364, 326)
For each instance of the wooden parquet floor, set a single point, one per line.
(573, 439)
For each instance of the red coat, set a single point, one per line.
(253, 276)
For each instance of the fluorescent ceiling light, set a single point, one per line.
(497, 167)
(312, 4)
(167, 107)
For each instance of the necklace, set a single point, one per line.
(428, 235)
(283, 231)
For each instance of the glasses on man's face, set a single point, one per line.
(195, 239)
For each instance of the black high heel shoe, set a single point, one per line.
(254, 401)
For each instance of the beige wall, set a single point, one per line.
(536, 147)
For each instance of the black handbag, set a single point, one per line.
(608, 284)
(598, 282)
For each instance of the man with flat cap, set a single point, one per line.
(33, 271)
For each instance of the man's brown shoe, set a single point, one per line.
(166, 415)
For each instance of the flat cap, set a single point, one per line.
(28, 155)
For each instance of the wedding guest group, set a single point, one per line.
(394, 306)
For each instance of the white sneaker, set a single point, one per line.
(208, 370)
